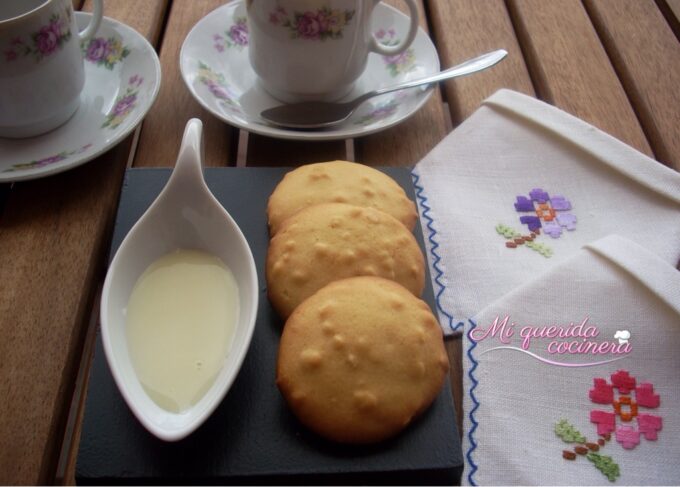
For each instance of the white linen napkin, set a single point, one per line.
(517, 164)
(515, 397)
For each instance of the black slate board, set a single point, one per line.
(252, 438)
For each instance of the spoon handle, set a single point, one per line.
(468, 67)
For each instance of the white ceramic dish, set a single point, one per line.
(215, 67)
(122, 79)
(184, 216)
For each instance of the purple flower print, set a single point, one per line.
(124, 105)
(105, 52)
(98, 50)
(49, 160)
(235, 36)
(46, 161)
(238, 33)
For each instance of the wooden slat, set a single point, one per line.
(164, 125)
(53, 238)
(671, 11)
(674, 6)
(463, 29)
(406, 143)
(571, 69)
(646, 56)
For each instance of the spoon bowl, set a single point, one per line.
(185, 215)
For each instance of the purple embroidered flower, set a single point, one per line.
(97, 50)
(544, 212)
(10, 55)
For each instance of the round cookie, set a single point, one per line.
(338, 182)
(331, 241)
(360, 359)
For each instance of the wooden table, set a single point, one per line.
(613, 63)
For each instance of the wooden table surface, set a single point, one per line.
(613, 63)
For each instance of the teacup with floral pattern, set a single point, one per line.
(315, 49)
(41, 64)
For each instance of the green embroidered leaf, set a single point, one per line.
(506, 231)
(569, 434)
(606, 465)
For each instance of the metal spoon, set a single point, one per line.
(318, 114)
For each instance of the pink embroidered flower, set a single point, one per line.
(619, 394)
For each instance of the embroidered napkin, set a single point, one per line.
(581, 383)
(520, 187)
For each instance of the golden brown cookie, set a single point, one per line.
(331, 241)
(360, 359)
(338, 182)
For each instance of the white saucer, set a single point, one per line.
(125, 81)
(215, 67)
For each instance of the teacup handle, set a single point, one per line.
(384, 50)
(92, 27)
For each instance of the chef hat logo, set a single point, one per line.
(623, 336)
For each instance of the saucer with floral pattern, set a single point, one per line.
(122, 78)
(215, 67)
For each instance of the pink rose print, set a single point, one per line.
(43, 43)
(321, 24)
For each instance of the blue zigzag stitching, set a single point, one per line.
(471, 415)
(433, 250)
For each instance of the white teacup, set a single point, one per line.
(41, 64)
(315, 49)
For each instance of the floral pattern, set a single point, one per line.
(549, 213)
(217, 85)
(105, 52)
(46, 161)
(43, 43)
(320, 25)
(235, 36)
(125, 104)
(400, 63)
(618, 394)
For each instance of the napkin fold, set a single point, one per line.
(519, 188)
(541, 407)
